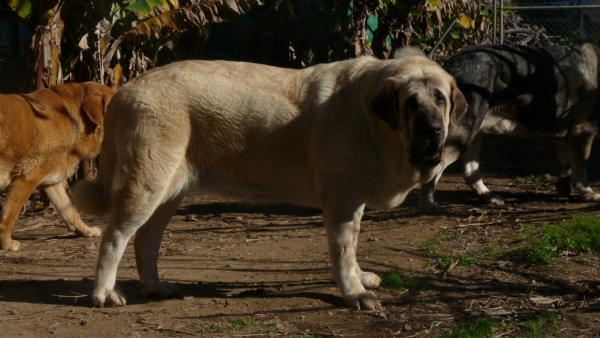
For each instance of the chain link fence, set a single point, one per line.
(546, 22)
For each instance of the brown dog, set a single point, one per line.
(43, 136)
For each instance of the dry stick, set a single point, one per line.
(502, 313)
(76, 297)
(505, 333)
(452, 265)
(527, 221)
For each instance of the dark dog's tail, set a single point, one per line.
(92, 197)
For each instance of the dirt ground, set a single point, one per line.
(247, 271)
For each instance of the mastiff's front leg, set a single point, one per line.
(342, 223)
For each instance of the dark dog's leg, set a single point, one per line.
(427, 203)
(59, 198)
(472, 174)
(561, 149)
(579, 149)
(18, 192)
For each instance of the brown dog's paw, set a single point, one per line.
(89, 232)
(108, 298)
(12, 246)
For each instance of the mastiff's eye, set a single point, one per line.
(440, 99)
(412, 103)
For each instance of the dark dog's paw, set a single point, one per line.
(563, 186)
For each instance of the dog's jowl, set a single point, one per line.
(338, 136)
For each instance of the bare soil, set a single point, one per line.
(248, 270)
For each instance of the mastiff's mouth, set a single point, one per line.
(432, 157)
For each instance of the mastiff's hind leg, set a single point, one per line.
(579, 151)
(147, 244)
(561, 149)
(472, 174)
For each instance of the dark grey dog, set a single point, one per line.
(546, 93)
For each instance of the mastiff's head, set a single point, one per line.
(418, 99)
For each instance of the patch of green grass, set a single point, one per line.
(308, 335)
(463, 260)
(241, 324)
(395, 279)
(480, 328)
(531, 179)
(432, 244)
(489, 251)
(539, 327)
(582, 234)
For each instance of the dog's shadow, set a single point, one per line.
(77, 293)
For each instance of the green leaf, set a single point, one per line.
(21, 7)
(144, 7)
(455, 35)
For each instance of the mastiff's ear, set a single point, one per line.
(459, 104)
(408, 51)
(385, 103)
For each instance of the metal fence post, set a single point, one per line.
(494, 22)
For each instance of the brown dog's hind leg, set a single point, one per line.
(61, 201)
(18, 192)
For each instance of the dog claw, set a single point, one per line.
(366, 300)
(109, 298)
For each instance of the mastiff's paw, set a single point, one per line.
(590, 196)
(431, 209)
(160, 290)
(492, 199)
(369, 280)
(105, 297)
(365, 300)
(563, 186)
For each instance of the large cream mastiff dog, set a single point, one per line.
(339, 136)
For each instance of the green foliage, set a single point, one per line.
(582, 234)
(463, 260)
(144, 7)
(480, 328)
(539, 327)
(432, 244)
(531, 179)
(395, 279)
